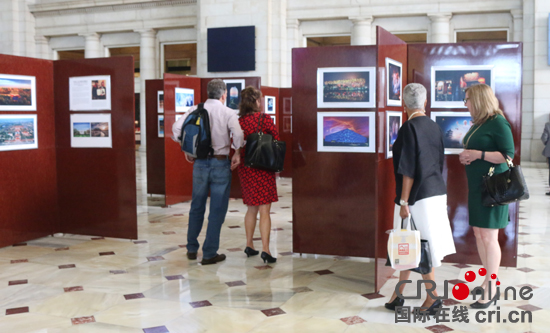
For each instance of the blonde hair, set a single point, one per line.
(483, 102)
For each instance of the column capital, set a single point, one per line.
(40, 39)
(517, 13)
(440, 17)
(292, 23)
(146, 32)
(90, 35)
(361, 20)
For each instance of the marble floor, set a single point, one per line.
(77, 283)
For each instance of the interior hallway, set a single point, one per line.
(75, 283)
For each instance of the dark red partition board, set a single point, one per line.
(389, 46)
(507, 59)
(28, 181)
(236, 191)
(97, 186)
(334, 194)
(179, 172)
(285, 127)
(155, 145)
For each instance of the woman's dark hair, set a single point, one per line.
(248, 104)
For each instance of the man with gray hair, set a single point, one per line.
(212, 174)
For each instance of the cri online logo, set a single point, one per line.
(461, 291)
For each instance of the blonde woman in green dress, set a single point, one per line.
(490, 136)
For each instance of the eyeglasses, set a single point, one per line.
(465, 100)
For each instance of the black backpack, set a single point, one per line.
(195, 137)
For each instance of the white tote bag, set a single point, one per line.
(404, 247)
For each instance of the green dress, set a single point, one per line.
(493, 135)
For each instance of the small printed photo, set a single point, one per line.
(346, 132)
(82, 130)
(160, 101)
(393, 124)
(349, 87)
(100, 130)
(99, 89)
(287, 124)
(18, 132)
(394, 82)
(234, 88)
(270, 105)
(449, 84)
(287, 105)
(184, 99)
(161, 126)
(455, 126)
(274, 119)
(15, 92)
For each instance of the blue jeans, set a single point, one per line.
(214, 176)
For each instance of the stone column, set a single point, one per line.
(42, 47)
(92, 46)
(293, 40)
(517, 34)
(361, 30)
(441, 26)
(147, 71)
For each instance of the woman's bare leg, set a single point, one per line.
(403, 275)
(250, 224)
(481, 251)
(265, 226)
(493, 256)
(429, 300)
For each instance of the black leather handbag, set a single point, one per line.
(263, 152)
(425, 264)
(504, 188)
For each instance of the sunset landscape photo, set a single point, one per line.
(15, 92)
(346, 131)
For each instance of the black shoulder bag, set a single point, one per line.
(504, 188)
(262, 152)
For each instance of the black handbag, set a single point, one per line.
(504, 188)
(425, 264)
(262, 152)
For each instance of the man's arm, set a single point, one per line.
(235, 128)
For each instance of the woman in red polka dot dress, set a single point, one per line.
(259, 186)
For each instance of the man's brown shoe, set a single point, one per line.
(217, 258)
(191, 255)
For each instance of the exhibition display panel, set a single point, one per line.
(343, 192)
(498, 65)
(67, 169)
(154, 106)
(285, 127)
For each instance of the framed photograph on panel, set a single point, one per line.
(274, 119)
(394, 119)
(270, 104)
(287, 105)
(394, 81)
(91, 131)
(17, 93)
(161, 126)
(351, 132)
(184, 99)
(449, 84)
(90, 93)
(160, 101)
(346, 87)
(454, 125)
(287, 124)
(18, 132)
(234, 88)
